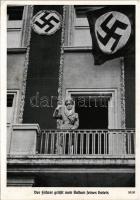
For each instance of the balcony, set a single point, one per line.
(27, 139)
(41, 155)
(87, 142)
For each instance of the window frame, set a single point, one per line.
(15, 105)
(15, 26)
(81, 27)
(112, 103)
(21, 26)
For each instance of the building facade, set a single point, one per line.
(44, 70)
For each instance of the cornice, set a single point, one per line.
(77, 48)
(16, 50)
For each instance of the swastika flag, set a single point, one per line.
(44, 64)
(112, 30)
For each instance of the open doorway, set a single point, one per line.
(97, 108)
(92, 110)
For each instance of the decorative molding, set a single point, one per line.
(36, 157)
(69, 31)
(106, 92)
(26, 25)
(60, 83)
(31, 163)
(27, 127)
(17, 50)
(23, 91)
(77, 48)
(79, 170)
(122, 93)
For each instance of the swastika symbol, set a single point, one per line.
(46, 22)
(112, 30)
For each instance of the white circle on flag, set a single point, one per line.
(112, 31)
(46, 22)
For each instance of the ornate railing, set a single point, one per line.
(87, 142)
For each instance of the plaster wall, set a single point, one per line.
(15, 70)
(80, 72)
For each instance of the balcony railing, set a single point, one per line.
(87, 142)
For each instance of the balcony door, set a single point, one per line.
(97, 108)
(92, 111)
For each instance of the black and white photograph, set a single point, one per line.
(71, 100)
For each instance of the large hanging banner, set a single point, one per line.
(43, 68)
(112, 30)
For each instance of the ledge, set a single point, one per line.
(44, 164)
(66, 49)
(26, 127)
(52, 156)
(16, 50)
(77, 49)
(73, 160)
(45, 170)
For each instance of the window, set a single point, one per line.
(11, 114)
(15, 13)
(97, 108)
(92, 111)
(11, 106)
(14, 26)
(81, 27)
(82, 35)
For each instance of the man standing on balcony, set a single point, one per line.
(68, 118)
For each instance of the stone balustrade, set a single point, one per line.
(87, 142)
